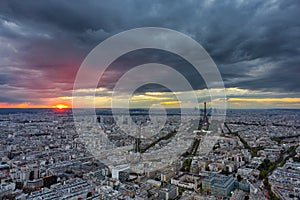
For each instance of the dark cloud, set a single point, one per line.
(255, 43)
(10, 100)
(139, 57)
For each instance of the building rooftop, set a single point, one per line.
(219, 180)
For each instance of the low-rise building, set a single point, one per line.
(120, 172)
(169, 192)
(217, 184)
(189, 181)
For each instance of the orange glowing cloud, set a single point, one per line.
(170, 103)
(283, 100)
(20, 105)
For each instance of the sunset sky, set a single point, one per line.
(255, 44)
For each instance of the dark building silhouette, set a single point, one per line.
(137, 145)
(204, 122)
(49, 180)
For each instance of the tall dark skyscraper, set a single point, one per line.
(136, 146)
(205, 119)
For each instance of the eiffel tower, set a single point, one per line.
(204, 123)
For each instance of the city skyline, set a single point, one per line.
(150, 100)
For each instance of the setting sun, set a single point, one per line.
(60, 106)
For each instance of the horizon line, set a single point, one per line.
(146, 108)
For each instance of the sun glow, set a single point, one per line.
(60, 106)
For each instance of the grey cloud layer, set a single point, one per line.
(256, 44)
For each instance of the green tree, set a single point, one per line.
(89, 194)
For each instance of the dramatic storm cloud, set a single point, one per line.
(256, 44)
